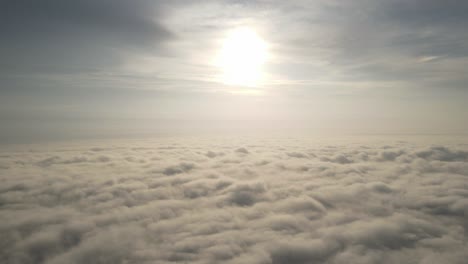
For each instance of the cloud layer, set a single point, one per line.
(234, 201)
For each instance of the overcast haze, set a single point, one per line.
(359, 66)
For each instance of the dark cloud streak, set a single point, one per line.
(73, 36)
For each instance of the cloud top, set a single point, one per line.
(282, 201)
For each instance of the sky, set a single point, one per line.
(75, 68)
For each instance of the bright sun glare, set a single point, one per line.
(242, 57)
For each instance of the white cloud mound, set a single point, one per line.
(235, 201)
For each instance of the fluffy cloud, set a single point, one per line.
(239, 201)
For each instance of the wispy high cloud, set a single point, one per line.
(371, 61)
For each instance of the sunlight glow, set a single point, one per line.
(242, 57)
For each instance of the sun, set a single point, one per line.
(241, 58)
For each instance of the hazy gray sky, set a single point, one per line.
(367, 66)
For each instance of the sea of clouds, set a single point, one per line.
(235, 200)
